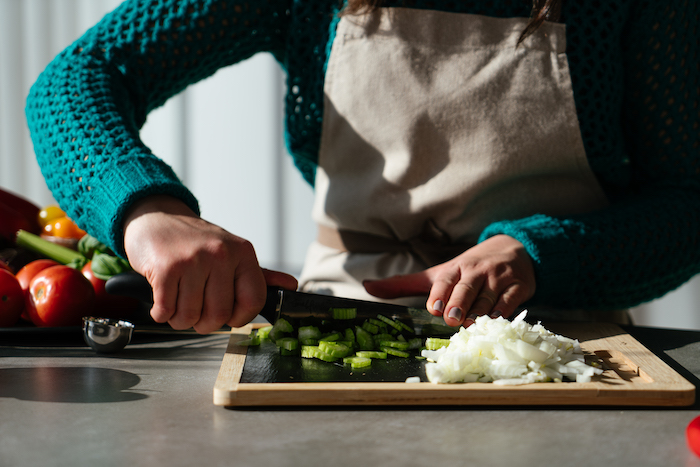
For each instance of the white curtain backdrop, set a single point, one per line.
(222, 136)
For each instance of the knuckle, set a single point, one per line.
(465, 289)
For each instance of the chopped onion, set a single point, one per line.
(508, 353)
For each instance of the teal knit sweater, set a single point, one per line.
(634, 67)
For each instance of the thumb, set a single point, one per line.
(279, 279)
(409, 285)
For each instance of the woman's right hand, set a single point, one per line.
(202, 276)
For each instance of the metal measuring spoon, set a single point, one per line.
(105, 335)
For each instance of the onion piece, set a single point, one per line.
(508, 353)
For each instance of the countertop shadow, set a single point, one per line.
(69, 384)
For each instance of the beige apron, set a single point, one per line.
(435, 126)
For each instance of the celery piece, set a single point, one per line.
(288, 343)
(394, 344)
(349, 335)
(434, 343)
(406, 327)
(371, 354)
(308, 341)
(395, 352)
(370, 328)
(334, 336)
(364, 339)
(264, 332)
(401, 338)
(281, 327)
(50, 250)
(289, 353)
(393, 323)
(384, 337)
(358, 362)
(415, 343)
(321, 355)
(309, 351)
(377, 322)
(334, 349)
(344, 313)
(309, 332)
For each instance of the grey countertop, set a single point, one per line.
(151, 405)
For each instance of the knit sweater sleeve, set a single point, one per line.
(85, 110)
(646, 242)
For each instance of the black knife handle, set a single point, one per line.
(133, 284)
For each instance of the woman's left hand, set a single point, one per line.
(493, 277)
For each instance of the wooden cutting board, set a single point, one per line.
(633, 376)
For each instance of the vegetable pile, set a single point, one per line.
(508, 353)
(491, 350)
(51, 272)
(342, 339)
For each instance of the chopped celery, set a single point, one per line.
(378, 323)
(264, 332)
(395, 352)
(309, 332)
(334, 349)
(415, 343)
(406, 327)
(321, 355)
(434, 343)
(384, 337)
(394, 324)
(349, 335)
(308, 351)
(344, 313)
(288, 343)
(281, 327)
(370, 328)
(371, 354)
(331, 337)
(394, 344)
(358, 362)
(364, 339)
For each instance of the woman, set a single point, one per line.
(458, 150)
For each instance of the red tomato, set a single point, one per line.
(25, 276)
(11, 299)
(27, 273)
(692, 434)
(108, 305)
(60, 296)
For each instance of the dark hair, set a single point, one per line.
(542, 10)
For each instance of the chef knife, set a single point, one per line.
(300, 305)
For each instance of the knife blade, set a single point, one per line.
(297, 305)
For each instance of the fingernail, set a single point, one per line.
(455, 313)
(438, 306)
(472, 317)
(495, 314)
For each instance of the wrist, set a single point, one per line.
(165, 204)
